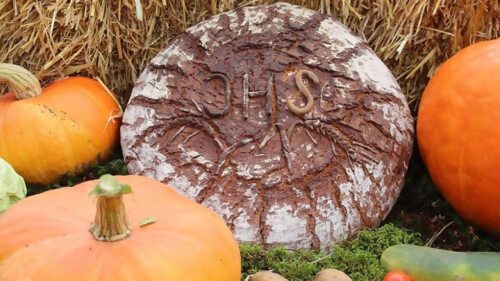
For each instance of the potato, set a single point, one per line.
(267, 276)
(332, 275)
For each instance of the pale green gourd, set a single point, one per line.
(430, 264)
(12, 186)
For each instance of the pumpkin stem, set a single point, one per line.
(110, 223)
(22, 82)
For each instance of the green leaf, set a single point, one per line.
(12, 186)
(147, 221)
(110, 186)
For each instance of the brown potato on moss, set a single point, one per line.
(332, 275)
(267, 276)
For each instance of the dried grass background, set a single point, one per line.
(106, 39)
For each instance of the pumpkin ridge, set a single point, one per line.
(46, 239)
(38, 248)
(60, 233)
(48, 130)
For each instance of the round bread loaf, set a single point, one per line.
(279, 119)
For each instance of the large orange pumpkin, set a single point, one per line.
(46, 237)
(458, 132)
(45, 134)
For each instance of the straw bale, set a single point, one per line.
(114, 40)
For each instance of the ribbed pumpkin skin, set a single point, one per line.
(458, 131)
(66, 128)
(45, 238)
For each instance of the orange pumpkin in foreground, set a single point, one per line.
(46, 237)
(46, 134)
(458, 132)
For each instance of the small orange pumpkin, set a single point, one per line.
(161, 236)
(59, 130)
(458, 132)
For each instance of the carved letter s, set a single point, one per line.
(303, 89)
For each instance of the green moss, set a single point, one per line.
(359, 258)
(115, 166)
